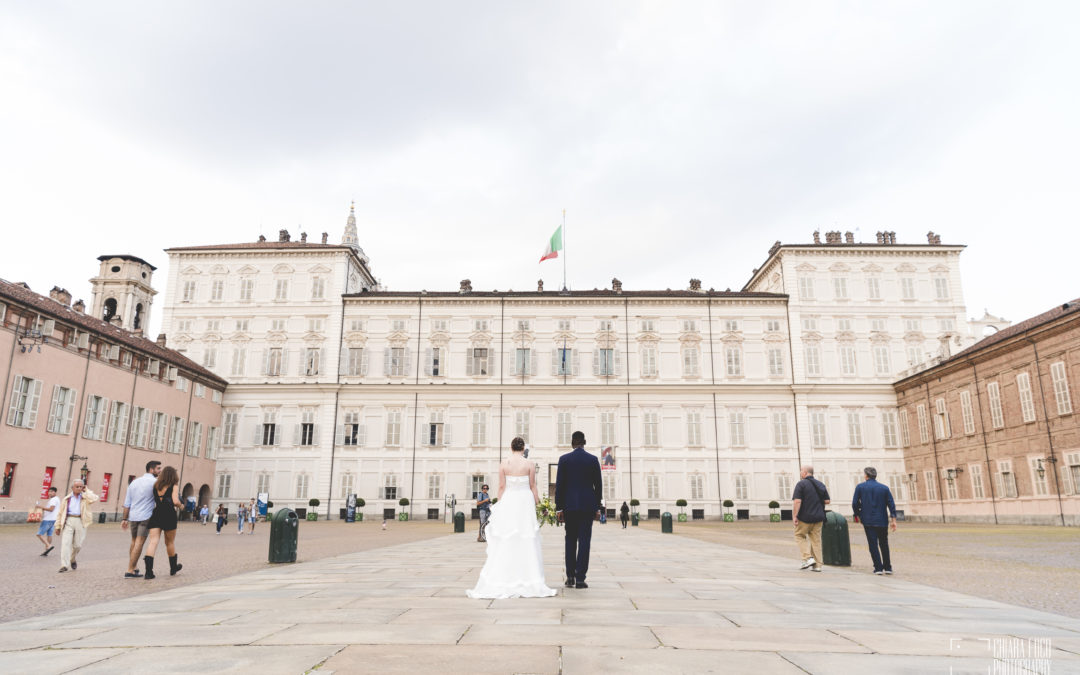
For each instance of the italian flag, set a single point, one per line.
(554, 246)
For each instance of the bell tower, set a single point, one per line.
(122, 292)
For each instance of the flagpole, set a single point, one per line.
(564, 250)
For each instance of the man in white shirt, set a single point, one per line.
(138, 507)
(74, 518)
(49, 512)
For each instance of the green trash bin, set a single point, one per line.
(665, 522)
(634, 519)
(835, 544)
(459, 522)
(284, 531)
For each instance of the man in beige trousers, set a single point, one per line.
(74, 518)
(808, 510)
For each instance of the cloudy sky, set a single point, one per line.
(682, 139)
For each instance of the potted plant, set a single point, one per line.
(634, 503)
(404, 515)
(359, 505)
(774, 517)
(681, 503)
(313, 503)
(728, 517)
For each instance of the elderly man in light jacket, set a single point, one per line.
(74, 518)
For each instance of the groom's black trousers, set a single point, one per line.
(578, 539)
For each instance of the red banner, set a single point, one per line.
(105, 487)
(46, 481)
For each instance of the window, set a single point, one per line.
(907, 288)
(347, 486)
(522, 362)
(840, 289)
(608, 481)
(521, 424)
(182, 383)
(194, 444)
(812, 352)
(604, 360)
(395, 361)
(302, 482)
(941, 287)
(397, 325)
(185, 326)
(281, 289)
(697, 486)
(913, 325)
(888, 428)
(783, 486)
(562, 362)
(731, 325)
(809, 323)
(307, 431)
(158, 429)
(843, 325)
(210, 357)
(946, 325)
(267, 432)
(25, 397)
(847, 359)
(311, 361)
(690, 360)
(689, 326)
(189, 291)
(914, 354)
(873, 288)
(393, 428)
(1038, 483)
(742, 491)
(278, 325)
(434, 486)
(1027, 406)
(942, 427)
(607, 427)
(975, 471)
(653, 485)
(733, 360)
(212, 442)
(480, 325)
(951, 493)
(776, 361)
(435, 429)
(905, 430)
(524, 326)
(140, 423)
(1061, 388)
(356, 361)
(352, 433)
(896, 485)
(438, 326)
(239, 354)
(565, 326)
(318, 287)
(247, 289)
(993, 394)
(62, 410)
(389, 490)
(563, 428)
(479, 428)
(818, 436)
(479, 361)
(966, 412)
(217, 290)
(1006, 480)
(477, 485)
(650, 428)
(854, 429)
(94, 419)
(648, 326)
(648, 360)
(780, 428)
(315, 325)
(806, 288)
(1072, 473)
(275, 358)
(878, 325)
(931, 485)
(228, 425)
(605, 326)
(224, 485)
(924, 424)
(737, 428)
(693, 428)
(176, 435)
(356, 325)
(772, 326)
(435, 362)
(118, 423)
(881, 360)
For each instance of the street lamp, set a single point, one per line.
(1041, 469)
(84, 472)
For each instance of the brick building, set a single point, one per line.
(990, 434)
(85, 395)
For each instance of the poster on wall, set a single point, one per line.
(350, 509)
(261, 501)
(105, 487)
(9, 479)
(46, 481)
(607, 458)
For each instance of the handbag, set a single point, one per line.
(35, 515)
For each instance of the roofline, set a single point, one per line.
(308, 247)
(127, 256)
(577, 295)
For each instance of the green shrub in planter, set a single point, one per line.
(312, 516)
(682, 517)
(403, 516)
(728, 517)
(774, 517)
(359, 505)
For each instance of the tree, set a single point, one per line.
(313, 502)
(404, 501)
(360, 502)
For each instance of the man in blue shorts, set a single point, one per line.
(48, 520)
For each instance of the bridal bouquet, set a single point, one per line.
(545, 512)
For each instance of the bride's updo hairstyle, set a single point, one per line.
(518, 444)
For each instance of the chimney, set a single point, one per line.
(616, 285)
(817, 236)
(79, 306)
(540, 286)
(849, 238)
(890, 237)
(161, 340)
(466, 286)
(325, 236)
(832, 237)
(303, 237)
(695, 285)
(880, 237)
(60, 295)
(283, 235)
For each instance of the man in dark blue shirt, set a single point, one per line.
(483, 509)
(808, 509)
(873, 505)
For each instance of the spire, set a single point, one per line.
(351, 238)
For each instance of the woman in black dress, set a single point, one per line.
(163, 519)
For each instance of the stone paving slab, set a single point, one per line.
(656, 603)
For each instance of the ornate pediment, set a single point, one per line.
(355, 339)
(906, 268)
(805, 267)
(872, 268)
(248, 269)
(811, 336)
(219, 269)
(191, 271)
(845, 336)
(283, 269)
(839, 267)
(319, 269)
(774, 338)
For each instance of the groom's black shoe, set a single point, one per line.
(570, 582)
(581, 584)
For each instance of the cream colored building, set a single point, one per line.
(338, 386)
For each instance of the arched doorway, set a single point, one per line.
(188, 491)
(204, 496)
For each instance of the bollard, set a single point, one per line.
(284, 532)
(835, 544)
(459, 522)
(665, 523)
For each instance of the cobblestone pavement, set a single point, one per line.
(657, 603)
(1037, 567)
(34, 587)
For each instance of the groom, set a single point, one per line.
(578, 494)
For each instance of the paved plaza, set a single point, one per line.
(657, 604)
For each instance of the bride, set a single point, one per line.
(515, 564)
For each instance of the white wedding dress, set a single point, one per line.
(515, 563)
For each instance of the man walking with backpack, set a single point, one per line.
(808, 509)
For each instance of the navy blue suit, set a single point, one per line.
(578, 493)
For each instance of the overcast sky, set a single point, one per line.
(682, 139)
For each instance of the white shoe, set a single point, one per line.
(808, 563)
